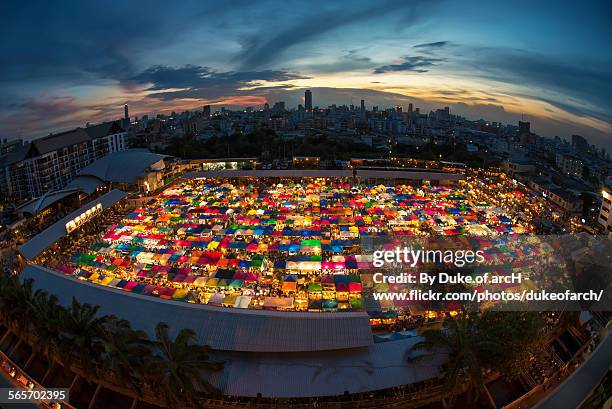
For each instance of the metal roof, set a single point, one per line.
(60, 140)
(87, 184)
(324, 173)
(41, 203)
(324, 373)
(123, 166)
(53, 233)
(230, 329)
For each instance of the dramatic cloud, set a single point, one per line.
(263, 49)
(417, 63)
(437, 44)
(578, 88)
(354, 55)
(75, 62)
(192, 81)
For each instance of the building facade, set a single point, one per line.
(605, 218)
(569, 164)
(51, 162)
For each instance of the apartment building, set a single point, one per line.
(51, 162)
(605, 216)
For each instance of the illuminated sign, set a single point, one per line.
(83, 218)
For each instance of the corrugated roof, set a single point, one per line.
(266, 370)
(34, 206)
(325, 373)
(230, 329)
(323, 173)
(53, 233)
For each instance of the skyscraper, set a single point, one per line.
(362, 105)
(525, 135)
(126, 117)
(524, 128)
(308, 100)
(206, 111)
(580, 143)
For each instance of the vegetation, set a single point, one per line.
(267, 145)
(476, 344)
(176, 365)
(104, 348)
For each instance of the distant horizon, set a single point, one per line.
(356, 103)
(83, 61)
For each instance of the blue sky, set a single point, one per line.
(68, 63)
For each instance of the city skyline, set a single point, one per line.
(84, 62)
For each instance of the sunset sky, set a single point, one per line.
(67, 63)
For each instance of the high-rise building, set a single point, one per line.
(126, 117)
(580, 143)
(206, 111)
(308, 100)
(410, 108)
(362, 105)
(525, 136)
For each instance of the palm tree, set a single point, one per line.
(124, 353)
(517, 335)
(474, 343)
(14, 303)
(15, 309)
(81, 337)
(177, 366)
(46, 316)
(461, 342)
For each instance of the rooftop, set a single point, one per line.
(123, 166)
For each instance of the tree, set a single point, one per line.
(15, 299)
(46, 318)
(461, 343)
(81, 336)
(475, 344)
(516, 335)
(106, 345)
(124, 353)
(177, 367)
